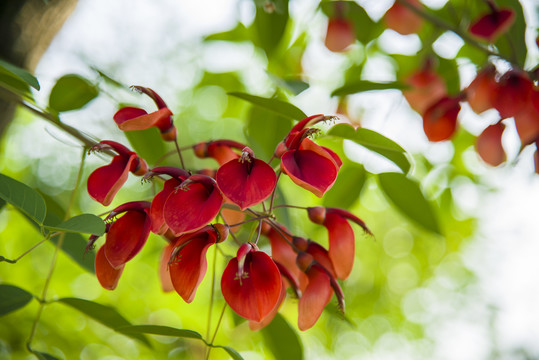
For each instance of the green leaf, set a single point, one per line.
(147, 143)
(20, 73)
(282, 339)
(406, 195)
(160, 330)
(85, 223)
(276, 106)
(239, 33)
(265, 130)
(448, 70)
(23, 197)
(347, 188)
(44, 356)
(233, 353)
(270, 25)
(71, 92)
(375, 142)
(106, 315)
(513, 43)
(363, 85)
(2, 203)
(13, 298)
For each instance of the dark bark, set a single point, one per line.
(27, 28)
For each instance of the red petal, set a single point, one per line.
(257, 292)
(403, 20)
(527, 123)
(188, 268)
(128, 113)
(282, 252)
(440, 120)
(158, 203)
(221, 153)
(243, 187)
(164, 274)
(159, 118)
(478, 93)
(341, 244)
(188, 210)
(309, 170)
(315, 297)
(257, 325)
(106, 181)
(321, 255)
(426, 87)
(512, 94)
(126, 237)
(107, 275)
(340, 34)
(491, 26)
(489, 145)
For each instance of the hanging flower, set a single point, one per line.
(158, 203)
(132, 118)
(318, 292)
(251, 283)
(341, 236)
(489, 144)
(192, 204)
(187, 265)
(106, 181)
(107, 276)
(247, 181)
(440, 120)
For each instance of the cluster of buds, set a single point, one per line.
(199, 208)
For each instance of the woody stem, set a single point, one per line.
(274, 190)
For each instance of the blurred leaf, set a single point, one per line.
(106, 315)
(2, 203)
(44, 356)
(270, 23)
(147, 143)
(23, 197)
(15, 85)
(233, 353)
(85, 223)
(406, 195)
(160, 330)
(74, 243)
(109, 79)
(71, 92)
(265, 130)
(363, 85)
(477, 56)
(239, 33)
(282, 339)
(13, 298)
(279, 107)
(448, 70)
(20, 73)
(513, 43)
(374, 142)
(347, 188)
(282, 213)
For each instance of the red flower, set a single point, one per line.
(310, 166)
(220, 150)
(247, 181)
(281, 247)
(490, 26)
(107, 276)
(132, 118)
(479, 92)
(106, 181)
(192, 204)
(187, 264)
(513, 93)
(440, 120)
(341, 236)
(340, 34)
(158, 203)
(426, 87)
(489, 144)
(125, 238)
(251, 283)
(402, 19)
(318, 292)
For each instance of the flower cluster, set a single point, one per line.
(198, 208)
